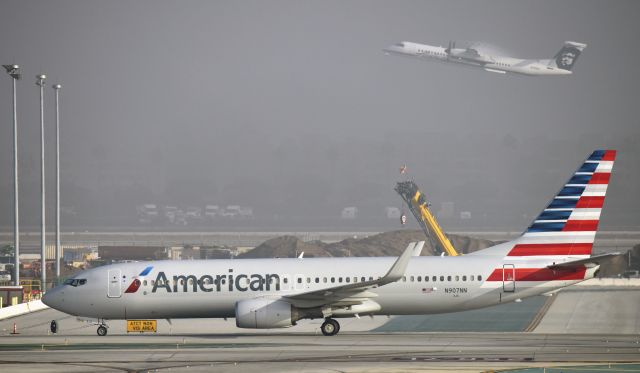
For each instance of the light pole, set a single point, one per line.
(56, 88)
(14, 72)
(40, 81)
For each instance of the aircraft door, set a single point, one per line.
(509, 278)
(114, 289)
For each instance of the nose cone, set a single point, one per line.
(395, 48)
(54, 298)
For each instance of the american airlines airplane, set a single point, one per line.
(561, 64)
(554, 252)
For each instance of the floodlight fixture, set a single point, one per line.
(40, 80)
(13, 70)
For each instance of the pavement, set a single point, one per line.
(596, 310)
(586, 326)
(309, 352)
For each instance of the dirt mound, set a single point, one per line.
(286, 247)
(383, 244)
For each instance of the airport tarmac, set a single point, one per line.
(283, 352)
(210, 344)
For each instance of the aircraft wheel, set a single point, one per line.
(330, 327)
(102, 330)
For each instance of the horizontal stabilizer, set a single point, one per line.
(594, 260)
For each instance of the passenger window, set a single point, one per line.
(441, 278)
(324, 279)
(448, 278)
(347, 279)
(419, 278)
(363, 279)
(457, 278)
(404, 278)
(412, 279)
(471, 278)
(144, 282)
(153, 282)
(355, 279)
(479, 278)
(340, 279)
(299, 280)
(426, 278)
(370, 278)
(464, 278)
(434, 278)
(286, 280)
(317, 280)
(308, 280)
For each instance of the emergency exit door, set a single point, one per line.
(509, 278)
(114, 287)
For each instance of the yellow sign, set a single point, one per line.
(142, 326)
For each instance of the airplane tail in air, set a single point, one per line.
(568, 55)
(567, 226)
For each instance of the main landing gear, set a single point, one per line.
(330, 327)
(102, 329)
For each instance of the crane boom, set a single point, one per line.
(416, 202)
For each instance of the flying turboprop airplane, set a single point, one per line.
(561, 64)
(554, 252)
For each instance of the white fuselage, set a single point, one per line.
(492, 63)
(430, 285)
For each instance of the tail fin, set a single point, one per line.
(567, 226)
(568, 55)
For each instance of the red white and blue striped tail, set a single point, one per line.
(567, 227)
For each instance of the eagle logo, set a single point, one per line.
(567, 57)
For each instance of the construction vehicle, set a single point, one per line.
(418, 205)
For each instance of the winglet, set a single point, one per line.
(400, 266)
(417, 249)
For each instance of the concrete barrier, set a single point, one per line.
(22, 308)
(633, 282)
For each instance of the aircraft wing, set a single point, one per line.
(592, 261)
(357, 292)
(471, 54)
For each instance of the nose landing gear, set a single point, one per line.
(102, 328)
(330, 327)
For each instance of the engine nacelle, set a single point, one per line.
(265, 313)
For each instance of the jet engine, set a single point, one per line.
(265, 313)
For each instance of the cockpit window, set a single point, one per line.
(401, 45)
(75, 281)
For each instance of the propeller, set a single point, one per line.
(452, 46)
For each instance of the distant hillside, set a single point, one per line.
(383, 244)
(394, 242)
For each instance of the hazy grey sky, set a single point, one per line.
(291, 106)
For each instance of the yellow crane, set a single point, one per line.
(418, 205)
